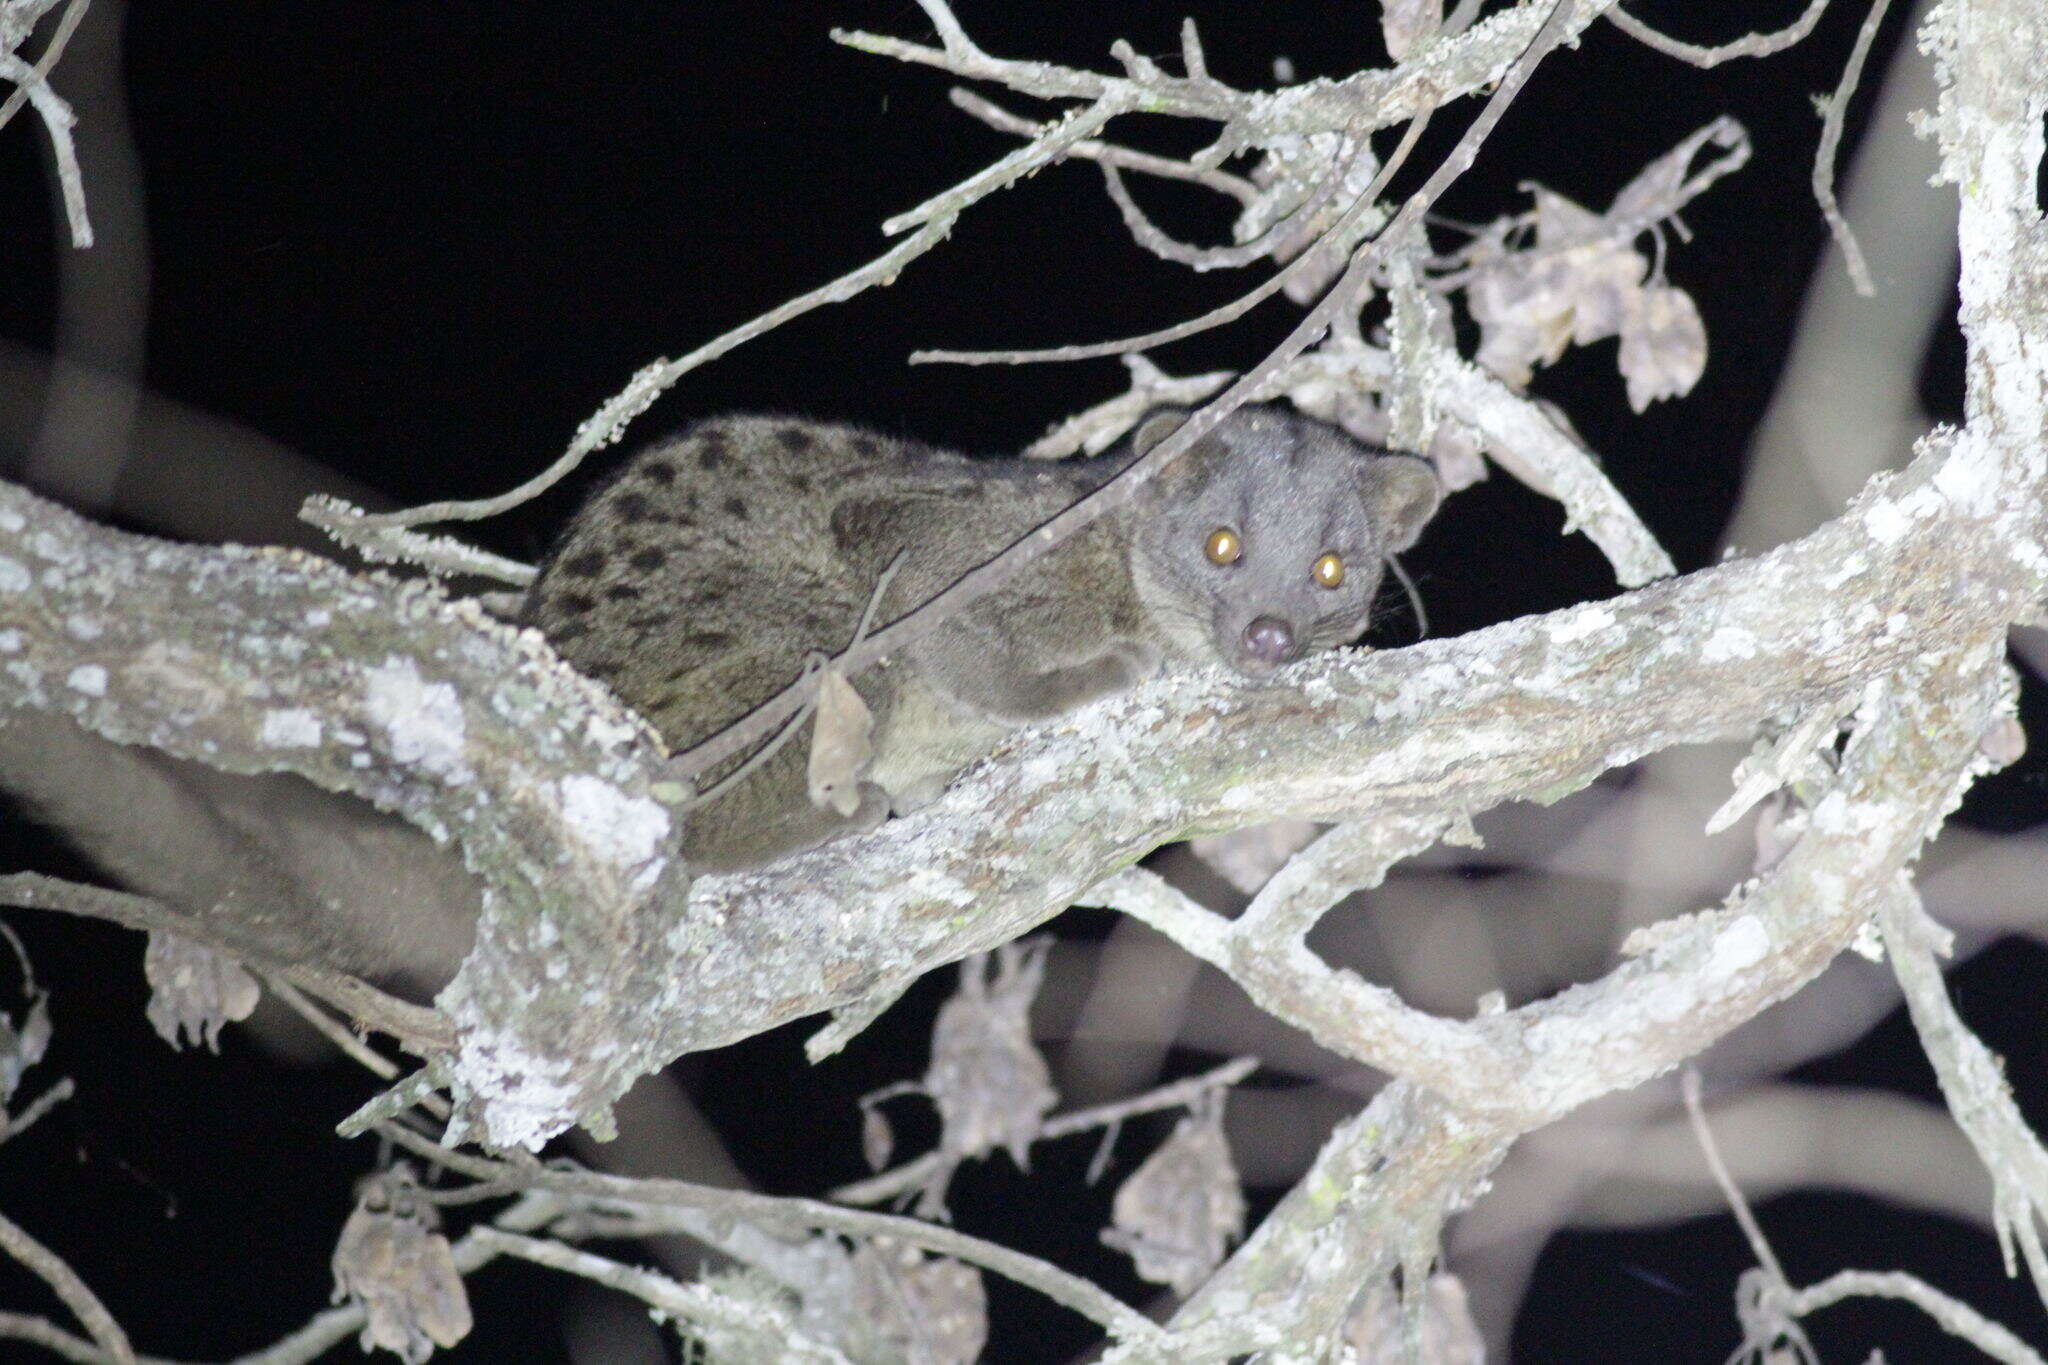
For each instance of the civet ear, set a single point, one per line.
(1402, 493)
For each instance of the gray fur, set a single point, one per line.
(698, 582)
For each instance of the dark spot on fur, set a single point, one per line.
(632, 506)
(735, 508)
(575, 603)
(586, 565)
(711, 451)
(867, 447)
(658, 471)
(800, 483)
(707, 639)
(622, 592)
(601, 668)
(568, 631)
(795, 440)
(650, 620)
(649, 559)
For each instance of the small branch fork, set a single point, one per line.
(32, 85)
(1769, 1308)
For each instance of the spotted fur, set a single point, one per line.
(698, 582)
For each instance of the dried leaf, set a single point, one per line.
(1449, 1335)
(1662, 189)
(194, 991)
(918, 1309)
(1247, 858)
(1602, 281)
(23, 1045)
(391, 1260)
(987, 1078)
(839, 744)
(1663, 346)
(877, 1138)
(1560, 222)
(1179, 1212)
(1523, 322)
(1406, 23)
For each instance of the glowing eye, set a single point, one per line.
(1329, 571)
(1223, 546)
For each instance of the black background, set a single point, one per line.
(419, 242)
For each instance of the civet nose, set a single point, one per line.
(1270, 640)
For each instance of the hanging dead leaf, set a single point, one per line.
(23, 1045)
(1663, 346)
(1179, 1212)
(877, 1138)
(987, 1078)
(924, 1310)
(194, 991)
(839, 744)
(392, 1261)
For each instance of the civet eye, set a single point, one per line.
(1223, 546)
(1329, 571)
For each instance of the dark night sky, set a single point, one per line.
(419, 242)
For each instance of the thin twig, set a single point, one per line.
(344, 1038)
(48, 1266)
(1215, 317)
(813, 666)
(1703, 1133)
(691, 1302)
(1053, 145)
(1950, 1314)
(1833, 112)
(1753, 45)
(1106, 153)
(41, 1105)
(48, 1335)
(609, 421)
(1162, 244)
(349, 525)
(66, 26)
(58, 119)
